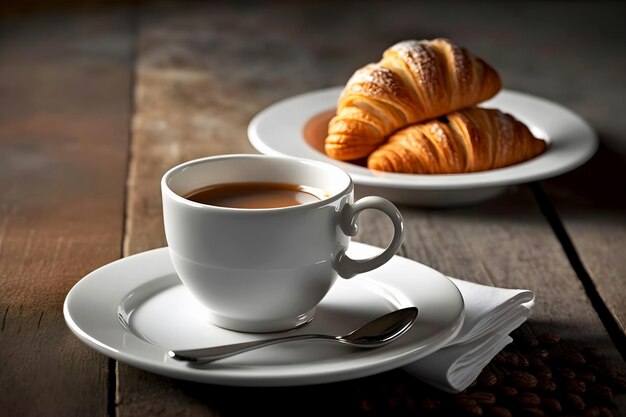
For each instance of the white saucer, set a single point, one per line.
(278, 130)
(135, 310)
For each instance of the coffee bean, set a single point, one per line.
(596, 369)
(587, 377)
(602, 393)
(593, 354)
(511, 359)
(605, 412)
(591, 412)
(464, 400)
(483, 398)
(548, 338)
(574, 385)
(507, 392)
(523, 361)
(524, 380)
(574, 358)
(536, 362)
(552, 405)
(533, 412)
(498, 411)
(574, 402)
(488, 378)
(544, 375)
(474, 410)
(541, 353)
(546, 386)
(500, 358)
(567, 373)
(528, 399)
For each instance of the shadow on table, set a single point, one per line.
(596, 188)
(352, 398)
(598, 185)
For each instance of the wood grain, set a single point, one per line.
(64, 115)
(575, 63)
(200, 79)
(591, 205)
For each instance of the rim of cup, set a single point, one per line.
(306, 206)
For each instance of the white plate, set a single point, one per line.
(135, 310)
(278, 130)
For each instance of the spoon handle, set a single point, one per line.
(220, 352)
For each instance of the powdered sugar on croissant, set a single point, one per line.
(413, 82)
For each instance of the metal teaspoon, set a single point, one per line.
(375, 333)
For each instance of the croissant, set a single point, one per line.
(470, 140)
(414, 81)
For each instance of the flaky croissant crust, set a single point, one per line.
(413, 82)
(470, 140)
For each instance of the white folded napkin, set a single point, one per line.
(491, 313)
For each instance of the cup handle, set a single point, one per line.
(347, 267)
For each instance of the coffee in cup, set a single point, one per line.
(256, 195)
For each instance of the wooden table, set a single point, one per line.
(96, 103)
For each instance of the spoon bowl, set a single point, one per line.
(381, 330)
(378, 332)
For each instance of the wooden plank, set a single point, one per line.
(590, 204)
(201, 78)
(586, 51)
(64, 117)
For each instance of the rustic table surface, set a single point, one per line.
(97, 103)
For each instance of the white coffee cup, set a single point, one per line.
(265, 270)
